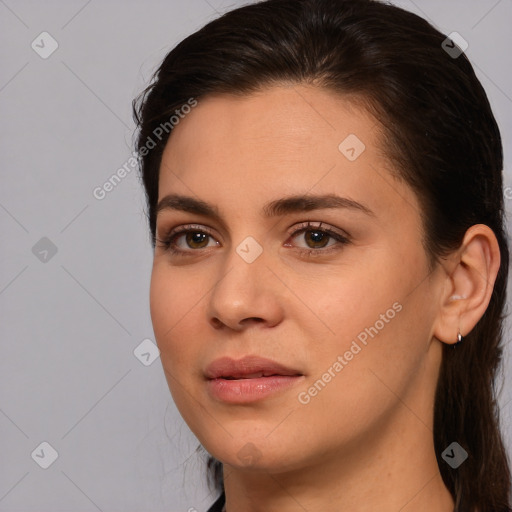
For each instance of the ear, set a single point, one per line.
(469, 282)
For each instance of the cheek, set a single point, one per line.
(377, 313)
(352, 299)
(174, 294)
(172, 301)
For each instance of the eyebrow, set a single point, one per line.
(278, 207)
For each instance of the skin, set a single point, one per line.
(365, 441)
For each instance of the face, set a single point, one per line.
(335, 286)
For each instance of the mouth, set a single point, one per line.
(254, 376)
(249, 367)
(249, 380)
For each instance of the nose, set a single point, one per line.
(246, 294)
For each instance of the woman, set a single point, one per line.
(325, 200)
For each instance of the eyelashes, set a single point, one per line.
(168, 243)
(200, 236)
(320, 235)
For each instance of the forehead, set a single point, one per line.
(287, 122)
(282, 140)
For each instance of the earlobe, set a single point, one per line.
(469, 284)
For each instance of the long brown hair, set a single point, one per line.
(441, 135)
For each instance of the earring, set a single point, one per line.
(460, 339)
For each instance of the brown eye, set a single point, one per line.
(196, 237)
(319, 239)
(187, 240)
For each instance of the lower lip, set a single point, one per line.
(238, 391)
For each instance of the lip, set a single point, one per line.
(247, 366)
(253, 378)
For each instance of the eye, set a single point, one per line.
(189, 239)
(192, 238)
(318, 238)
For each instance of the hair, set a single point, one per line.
(440, 135)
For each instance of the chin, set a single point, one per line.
(258, 456)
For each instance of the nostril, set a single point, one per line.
(253, 318)
(216, 322)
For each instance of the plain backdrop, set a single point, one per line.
(74, 269)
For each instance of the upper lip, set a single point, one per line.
(247, 367)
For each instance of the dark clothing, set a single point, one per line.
(217, 506)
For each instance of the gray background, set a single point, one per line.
(70, 321)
